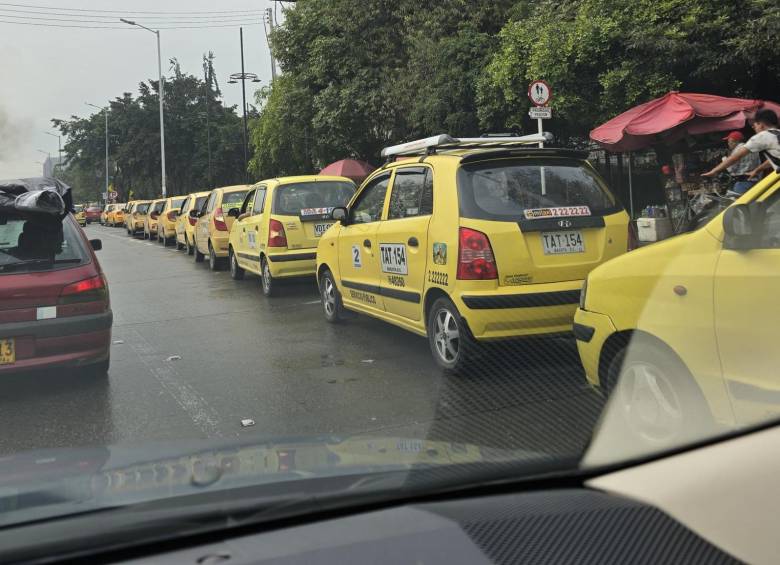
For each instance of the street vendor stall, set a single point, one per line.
(670, 126)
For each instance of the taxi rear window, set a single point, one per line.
(516, 190)
(292, 199)
(233, 199)
(31, 244)
(142, 208)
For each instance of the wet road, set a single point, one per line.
(195, 353)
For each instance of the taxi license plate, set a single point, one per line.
(320, 229)
(560, 242)
(7, 351)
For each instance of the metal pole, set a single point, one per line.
(207, 84)
(243, 98)
(162, 120)
(540, 126)
(105, 111)
(631, 184)
(270, 13)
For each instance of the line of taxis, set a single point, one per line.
(472, 240)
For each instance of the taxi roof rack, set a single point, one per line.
(444, 142)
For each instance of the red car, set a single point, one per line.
(54, 301)
(93, 214)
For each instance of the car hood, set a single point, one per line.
(59, 482)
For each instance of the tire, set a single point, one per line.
(179, 246)
(198, 255)
(330, 297)
(236, 272)
(655, 397)
(187, 246)
(267, 282)
(214, 262)
(451, 342)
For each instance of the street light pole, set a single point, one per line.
(59, 145)
(162, 96)
(243, 77)
(105, 111)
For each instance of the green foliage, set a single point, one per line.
(134, 140)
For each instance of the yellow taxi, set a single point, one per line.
(81, 215)
(128, 208)
(471, 240)
(185, 224)
(152, 218)
(212, 230)
(166, 223)
(681, 333)
(105, 214)
(136, 216)
(118, 217)
(279, 224)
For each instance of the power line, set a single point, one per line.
(123, 27)
(213, 17)
(80, 21)
(126, 11)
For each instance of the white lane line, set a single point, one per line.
(196, 406)
(312, 302)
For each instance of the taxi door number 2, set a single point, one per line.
(393, 257)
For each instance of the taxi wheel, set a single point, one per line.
(187, 246)
(214, 262)
(267, 282)
(236, 272)
(331, 298)
(450, 340)
(657, 399)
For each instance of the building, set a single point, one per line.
(50, 164)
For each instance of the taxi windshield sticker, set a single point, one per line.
(560, 212)
(316, 213)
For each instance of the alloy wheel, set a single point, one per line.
(446, 336)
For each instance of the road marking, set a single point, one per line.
(196, 406)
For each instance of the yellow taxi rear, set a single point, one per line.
(128, 208)
(81, 215)
(119, 215)
(212, 230)
(281, 223)
(166, 223)
(137, 216)
(185, 223)
(152, 218)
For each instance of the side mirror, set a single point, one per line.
(339, 214)
(96, 244)
(738, 225)
(234, 212)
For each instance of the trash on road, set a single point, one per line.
(174, 358)
(248, 422)
(118, 341)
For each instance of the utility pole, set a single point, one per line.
(207, 84)
(105, 111)
(269, 18)
(243, 77)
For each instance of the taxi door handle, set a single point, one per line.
(413, 242)
(367, 243)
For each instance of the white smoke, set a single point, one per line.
(14, 137)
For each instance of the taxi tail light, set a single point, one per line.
(632, 237)
(172, 216)
(192, 220)
(219, 220)
(475, 256)
(87, 296)
(276, 235)
(154, 215)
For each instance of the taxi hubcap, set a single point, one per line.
(328, 297)
(446, 335)
(266, 276)
(650, 402)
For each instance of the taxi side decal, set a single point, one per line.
(405, 295)
(248, 257)
(292, 257)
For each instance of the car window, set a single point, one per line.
(176, 203)
(410, 195)
(33, 244)
(368, 206)
(199, 201)
(292, 199)
(514, 190)
(248, 204)
(185, 206)
(210, 203)
(259, 205)
(770, 232)
(143, 208)
(232, 199)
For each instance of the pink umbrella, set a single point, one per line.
(672, 117)
(350, 168)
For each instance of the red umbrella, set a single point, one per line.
(672, 117)
(350, 168)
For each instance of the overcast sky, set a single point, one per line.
(50, 72)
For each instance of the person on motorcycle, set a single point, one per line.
(741, 170)
(766, 143)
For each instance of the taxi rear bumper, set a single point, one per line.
(293, 263)
(509, 312)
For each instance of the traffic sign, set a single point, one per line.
(539, 92)
(113, 194)
(540, 112)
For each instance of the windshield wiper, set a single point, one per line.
(34, 262)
